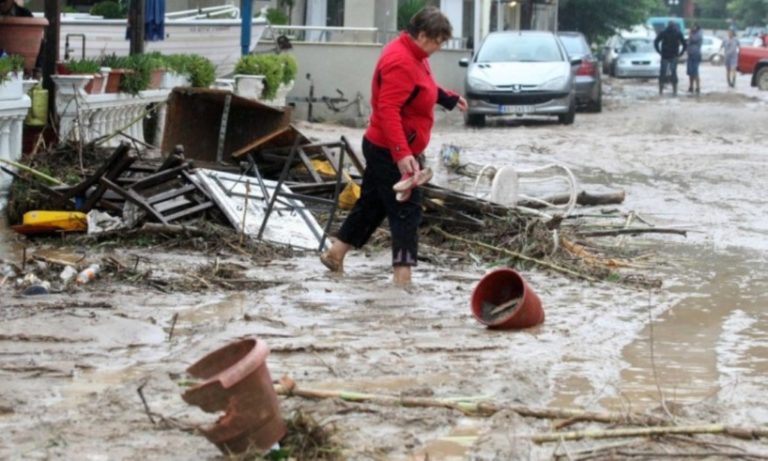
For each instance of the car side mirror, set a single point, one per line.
(464, 62)
(576, 61)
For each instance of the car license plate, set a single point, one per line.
(516, 109)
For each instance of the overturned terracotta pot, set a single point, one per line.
(237, 382)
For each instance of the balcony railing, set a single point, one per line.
(325, 34)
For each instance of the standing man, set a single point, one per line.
(668, 44)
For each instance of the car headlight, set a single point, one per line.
(555, 84)
(480, 84)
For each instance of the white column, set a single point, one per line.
(454, 10)
(12, 113)
(317, 12)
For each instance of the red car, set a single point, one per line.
(754, 60)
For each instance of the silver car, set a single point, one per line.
(520, 73)
(638, 58)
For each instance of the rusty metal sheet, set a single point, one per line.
(193, 119)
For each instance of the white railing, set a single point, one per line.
(12, 113)
(88, 117)
(326, 34)
(228, 11)
(323, 34)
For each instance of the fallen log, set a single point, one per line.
(584, 198)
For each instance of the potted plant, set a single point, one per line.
(176, 71)
(11, 73)
(140, 67)
(267, 67)
(290, 69)
(202, 72)
(118, 67)
(86, 67)
(157, 69)
(249, 77)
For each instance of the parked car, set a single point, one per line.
(638, 58)
(589, 87)
(754, 60)
(520, 73)
(610, 52)
(711, 49)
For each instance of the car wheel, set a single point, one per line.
(761, 79)
(568, 118)
(475, 120)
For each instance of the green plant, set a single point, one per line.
(140, 67)
(290, 67)
(201, 71)
(83, 66)
(108, 9)
(10, 64)
(277, 17)
(268, 65)
(114, 61)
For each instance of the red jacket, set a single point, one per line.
(403, 96)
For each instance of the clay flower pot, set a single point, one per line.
(237, 382)
(22, 36)
(503, 299)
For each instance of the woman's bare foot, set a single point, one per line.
(333, 259)
(402, 276)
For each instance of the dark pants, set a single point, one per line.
(668, 72)
(377, 201)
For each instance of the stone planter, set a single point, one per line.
(22, 36)
(12, 88)
(71, 84)
(249, 86)
(282, 93)
(172, 80)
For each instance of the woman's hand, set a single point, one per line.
(408, 166)
(462, 104)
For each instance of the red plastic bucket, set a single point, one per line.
(503, 299)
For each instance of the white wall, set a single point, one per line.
(349, 67)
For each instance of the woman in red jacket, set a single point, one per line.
(403, 96)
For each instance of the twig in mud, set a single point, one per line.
(465, 405)
(199, 279)
(633, 231)
(516, 255)
(173, 326)
(697, 455)
(738, 432)
(653, 361)
(140, 390)
(326, 364)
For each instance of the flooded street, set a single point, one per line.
(698, 345)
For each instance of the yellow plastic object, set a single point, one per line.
(61, 220)
(348, 197)
(38, 113)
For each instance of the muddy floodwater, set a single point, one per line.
(70, 364)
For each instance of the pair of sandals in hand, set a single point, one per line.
(409, 182)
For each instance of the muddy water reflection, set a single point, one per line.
(712, 344)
